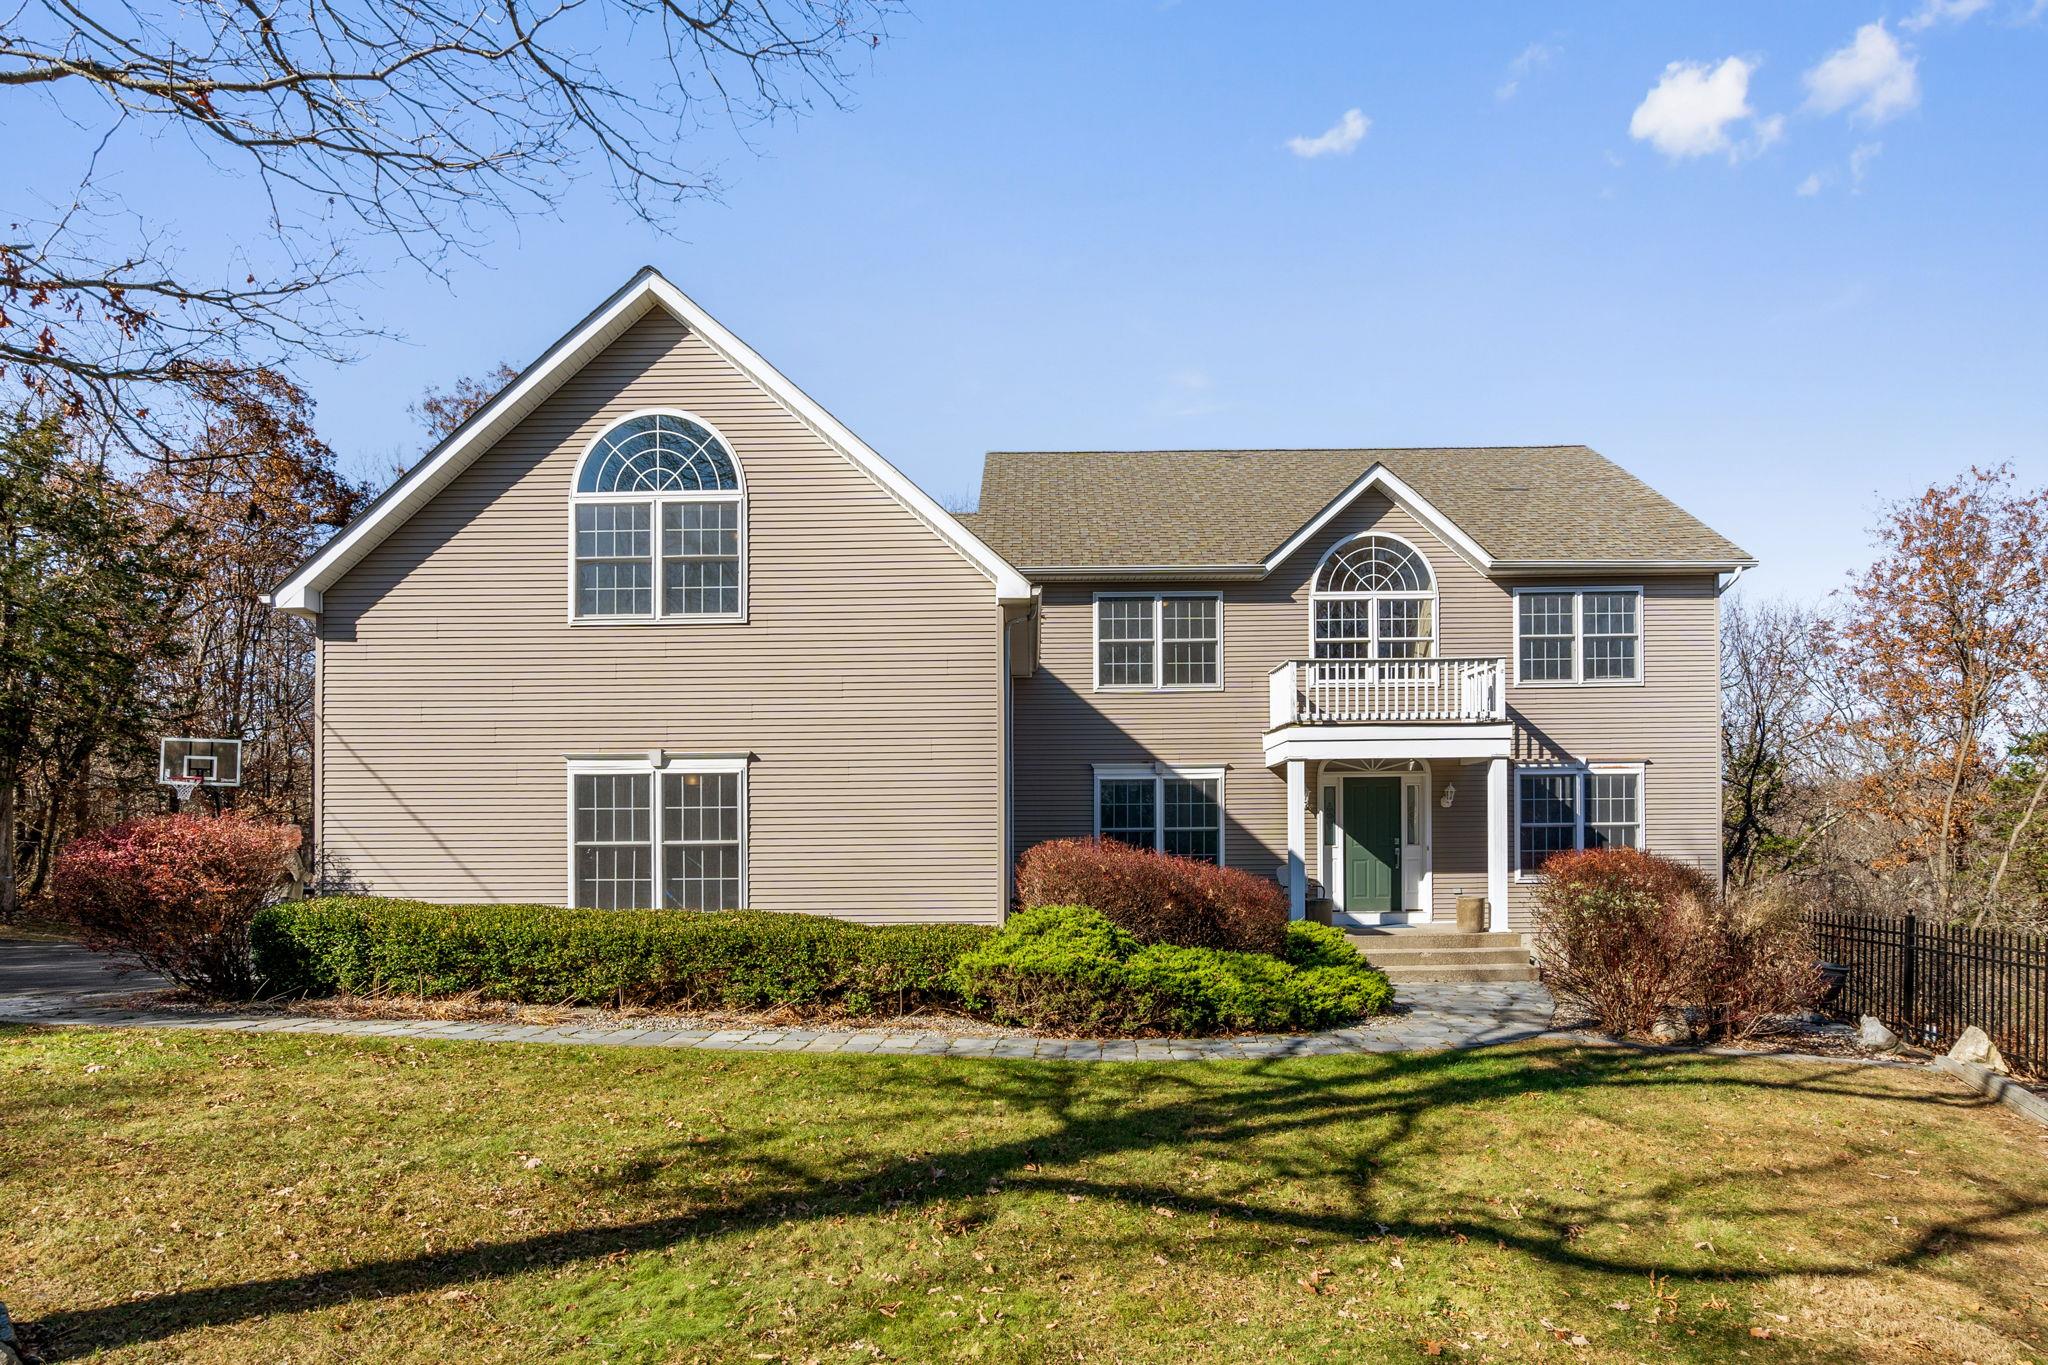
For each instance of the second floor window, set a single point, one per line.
(1573, 635)
(1374, 598)
(1158, 641)
(659, 524)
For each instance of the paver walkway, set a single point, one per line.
(57, 983)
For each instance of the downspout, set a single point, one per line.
(1733, 579)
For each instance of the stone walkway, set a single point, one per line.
(54, 983)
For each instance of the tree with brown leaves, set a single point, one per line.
(1945, 642)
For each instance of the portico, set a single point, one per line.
(1397, 778)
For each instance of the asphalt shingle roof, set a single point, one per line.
(1126, 508)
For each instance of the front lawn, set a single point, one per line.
(213, 1197)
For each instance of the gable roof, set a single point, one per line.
(647, 290)
(1243, 511)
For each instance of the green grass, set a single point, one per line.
(209, 1197)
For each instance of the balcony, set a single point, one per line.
(1387, 692)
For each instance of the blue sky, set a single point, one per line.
(1804, 274)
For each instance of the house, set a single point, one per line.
(652, 627)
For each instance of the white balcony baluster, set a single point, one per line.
(1369, 691)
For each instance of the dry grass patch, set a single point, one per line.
(212, 1198)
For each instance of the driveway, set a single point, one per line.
(43, 966)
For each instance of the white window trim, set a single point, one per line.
(1581, 771)
(1157, 684)
(655, 763)
(1316, 594)
(654, 502)
(1159, 774)
(1578, 596)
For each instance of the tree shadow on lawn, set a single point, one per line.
(1381, 1128)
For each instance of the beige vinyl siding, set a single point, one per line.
(866, 680)
(1671, 722)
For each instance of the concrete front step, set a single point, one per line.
(1416, 976)
(1425, 954)
(1446, 957)
(1370, 941)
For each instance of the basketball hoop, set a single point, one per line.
(183, 787)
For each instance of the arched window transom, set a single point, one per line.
(659, 522)
(658, 452)
(1374, 597)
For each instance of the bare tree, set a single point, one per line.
(406, 125)
(1776, 727)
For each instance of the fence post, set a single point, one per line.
(1909, 972)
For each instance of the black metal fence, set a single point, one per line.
(1929, 982)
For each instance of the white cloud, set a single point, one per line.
(1188, 393)
(1692, 107)
(1934, 12)
(1531, 57)
(1766, 133)
(1872, 77)
(1860, 158)
(1341, 137)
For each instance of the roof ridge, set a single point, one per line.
(1287, 450)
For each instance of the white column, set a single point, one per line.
(1297, 839)
(1497, 821)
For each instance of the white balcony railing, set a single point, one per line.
(1382, 691)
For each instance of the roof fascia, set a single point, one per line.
(1410, 501)
(300, 593)
(1010, 585)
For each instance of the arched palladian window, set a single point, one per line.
(1374, 598)
(659, 523)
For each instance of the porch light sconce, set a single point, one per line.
(1450, 795)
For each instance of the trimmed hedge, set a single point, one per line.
(542, 954)
(1070, 967)
(1156, 896)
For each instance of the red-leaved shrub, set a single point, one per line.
(1647, 944)
(178, 892)
(1155, 897)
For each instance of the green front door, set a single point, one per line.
(1372, 845)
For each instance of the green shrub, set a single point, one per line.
(1331, 996)
(1057, 966)
(1069, 968)
(538, 954)
(1318, 945)
(1209, 990)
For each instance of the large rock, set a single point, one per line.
(1671, 1028)
(1872, 1034)
(1976, 1046)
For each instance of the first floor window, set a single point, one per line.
(614, 833)
(1129, 811)
(1562, 809)
(1172, 640)
(1168, 810)
(636, 829)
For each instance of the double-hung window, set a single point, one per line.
(1158, 641)
(1170, 810)
(658, 524)
(1558, 810)
(1578, 635)
(642, 837)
